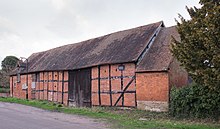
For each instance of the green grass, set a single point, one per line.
(122, 118)
(4, 90)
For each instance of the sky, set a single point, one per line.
(30, 26)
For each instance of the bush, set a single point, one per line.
(195, 101)
(4, 90)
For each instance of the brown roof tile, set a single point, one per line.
(119, 47)
(159, 56)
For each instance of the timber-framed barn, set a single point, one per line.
(130, 68)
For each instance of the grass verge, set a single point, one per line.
(121, 118)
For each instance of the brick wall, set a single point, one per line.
(29, 86)
(110, 85)
(11, 86)
(51, 86)
(152, 90)
(4, 94)
(16, 87)
(177, 74)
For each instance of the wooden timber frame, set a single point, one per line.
(79, 91)
(116, 97)
(47, 87)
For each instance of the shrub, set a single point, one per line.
(4, 90)
(195, 101)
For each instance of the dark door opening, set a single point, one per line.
(80, 88)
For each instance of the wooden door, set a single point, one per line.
(80, 88)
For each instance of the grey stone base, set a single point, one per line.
(157, 106)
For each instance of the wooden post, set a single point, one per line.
(47, 84)
(62, 85)
(57, 86)
(12, 84)
(135, 91)
(99, 88)
(110, 85)
(52, 86)
(43, 85)
(122, 81)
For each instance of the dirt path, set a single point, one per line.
(16, 116)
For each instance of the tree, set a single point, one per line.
(9, 63)
(199, 48)
(4, 79)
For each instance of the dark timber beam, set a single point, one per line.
(122, 94)
(110, 84)
(99, 88)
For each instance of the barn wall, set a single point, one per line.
(16, 87)
(112, 82)
(51, 86)
(152, 90)
(29, 89)
(148, 91)
(177, 74)
(11, 86)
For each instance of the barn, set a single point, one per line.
(130, 68)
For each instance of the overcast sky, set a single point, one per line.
(29, 26)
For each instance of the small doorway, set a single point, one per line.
(80, 88)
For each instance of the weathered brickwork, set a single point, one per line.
(148, 91)
(51, 86)
(152, 87)
(17, 87)
(177, 75)
(11, 86)
(112, 83)
(29, 86)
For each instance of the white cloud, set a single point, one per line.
(6, 25)
(32, 26)
(59, 4)
(11, 44)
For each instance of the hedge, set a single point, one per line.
(194, 101)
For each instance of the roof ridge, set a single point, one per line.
(90, 39)
(149, 44)
(118, 47)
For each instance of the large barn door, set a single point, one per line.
(80, 88)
